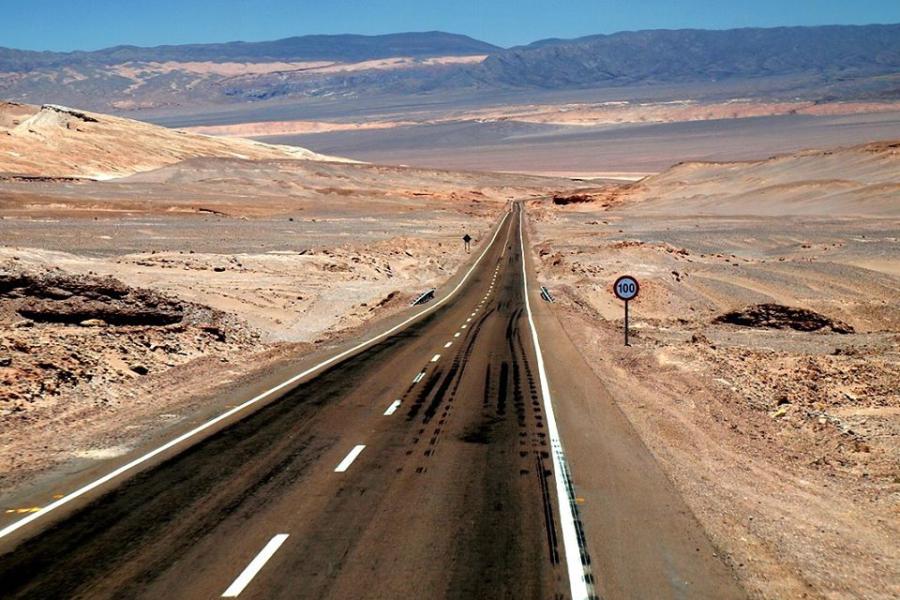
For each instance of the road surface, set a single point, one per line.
(425, 466)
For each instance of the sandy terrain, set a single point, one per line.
(573, 115)
(268, 128)
(202, 79)
(632, 148)
(140, 71)
(236, 74)
(604, 113)
(55, 141)
(568, 115)
(764, 367)
(852, 181)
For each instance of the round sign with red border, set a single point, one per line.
(626, 288)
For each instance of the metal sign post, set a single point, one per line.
(626, 288)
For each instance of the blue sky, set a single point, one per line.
(92, 24)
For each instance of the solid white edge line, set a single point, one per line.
(577, 581)
(12, 527)
(392, 408)
(348, 460)
(254, 567)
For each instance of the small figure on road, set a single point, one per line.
(467, 240)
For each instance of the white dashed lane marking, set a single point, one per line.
(435, 357)
(456, 334)
(348, 460)
(448, 344)
(255, 566)
(392, 408)
(419, 377)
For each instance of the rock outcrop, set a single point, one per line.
(84, 299)
(777, 316)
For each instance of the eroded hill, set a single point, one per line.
(861, 180)
(56, 141)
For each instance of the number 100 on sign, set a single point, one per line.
(626, 287)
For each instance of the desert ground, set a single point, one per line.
(764, 369)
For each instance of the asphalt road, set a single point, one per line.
(422, 467)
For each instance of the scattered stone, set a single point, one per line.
(57, 293)
(5, 361)
(699, 338)
(215, 331)
(93, 323)
(780, 412)
(24, 323)
(139, 369)
(219, 269)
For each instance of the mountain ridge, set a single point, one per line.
(698, 54)
(344, 47)
(833, 62)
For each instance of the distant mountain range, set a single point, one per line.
(698, 55)
(845, 62)
(341, 48)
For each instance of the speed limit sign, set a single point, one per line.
(626, 288)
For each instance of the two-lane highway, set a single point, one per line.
(425, 466)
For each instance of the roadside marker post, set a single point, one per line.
(467, 241)
(626, 288)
